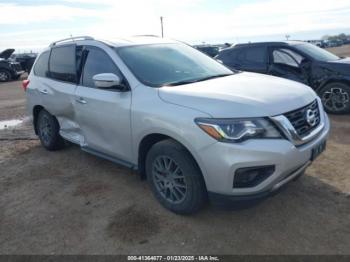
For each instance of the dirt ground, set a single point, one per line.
(70, 202)
(341, 50)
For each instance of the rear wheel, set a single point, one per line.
(48, 131)
(336, 98)
(5, 75)
(174, 178)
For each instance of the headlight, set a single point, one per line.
(238, 130)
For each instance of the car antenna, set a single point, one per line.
(71, 36)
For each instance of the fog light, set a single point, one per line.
(251, 176)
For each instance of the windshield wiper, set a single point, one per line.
(212, 77)
(184, 82)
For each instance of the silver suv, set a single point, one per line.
(191, 126)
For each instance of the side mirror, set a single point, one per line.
(305, 63)
(107, 81)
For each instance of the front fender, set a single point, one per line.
(174, 121)
(324, 76)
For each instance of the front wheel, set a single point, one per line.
(174, 178)
(48, 131)
(5, 75)
(336, 98)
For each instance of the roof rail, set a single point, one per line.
(72, 39)
(145, 36)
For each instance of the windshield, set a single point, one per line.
(316, 52)
(159, 65)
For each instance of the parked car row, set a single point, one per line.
(329, 43)
(326, 73)
(336, 42)
(193, 127)
(319, 43)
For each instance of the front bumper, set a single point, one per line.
(17, 73)
(227, 200)
(221, 160)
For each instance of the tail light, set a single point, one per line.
(25, 84)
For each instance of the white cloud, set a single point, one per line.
(188, 20)
(17, 14)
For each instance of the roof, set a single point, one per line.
(117, 42)
(140, 40)
(274, 43)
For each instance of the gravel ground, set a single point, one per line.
(70, 202)
(340, 50)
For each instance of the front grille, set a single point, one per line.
(299, 119)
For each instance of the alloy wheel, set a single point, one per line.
(335, 99)
(4, 76)
(46, 129)
(169, 179)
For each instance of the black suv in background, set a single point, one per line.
(9, 70)
(26, 60)
(326, 73)
(208, 50)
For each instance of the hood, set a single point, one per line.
(341, 66)
(345, 60)
(7, 53)
(241, 95)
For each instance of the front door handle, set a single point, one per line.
(81, 100)
(44, 91)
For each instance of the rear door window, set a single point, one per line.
(286, 57)
(62, 63)
(298, 58)
(42, 65)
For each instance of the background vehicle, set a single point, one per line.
(326, 73)
(9, 70)
(177, 116)
(319, 43)
(334, 43)
(25, 59)
(208, 49)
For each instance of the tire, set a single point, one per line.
(48, 131)
(5, 75)
(336, 98)
(182, 191)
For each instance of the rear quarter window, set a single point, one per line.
(62, 64)
(42, 65)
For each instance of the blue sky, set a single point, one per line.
(32, 25)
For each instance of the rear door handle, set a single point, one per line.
(44, 91)
(81, 100)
